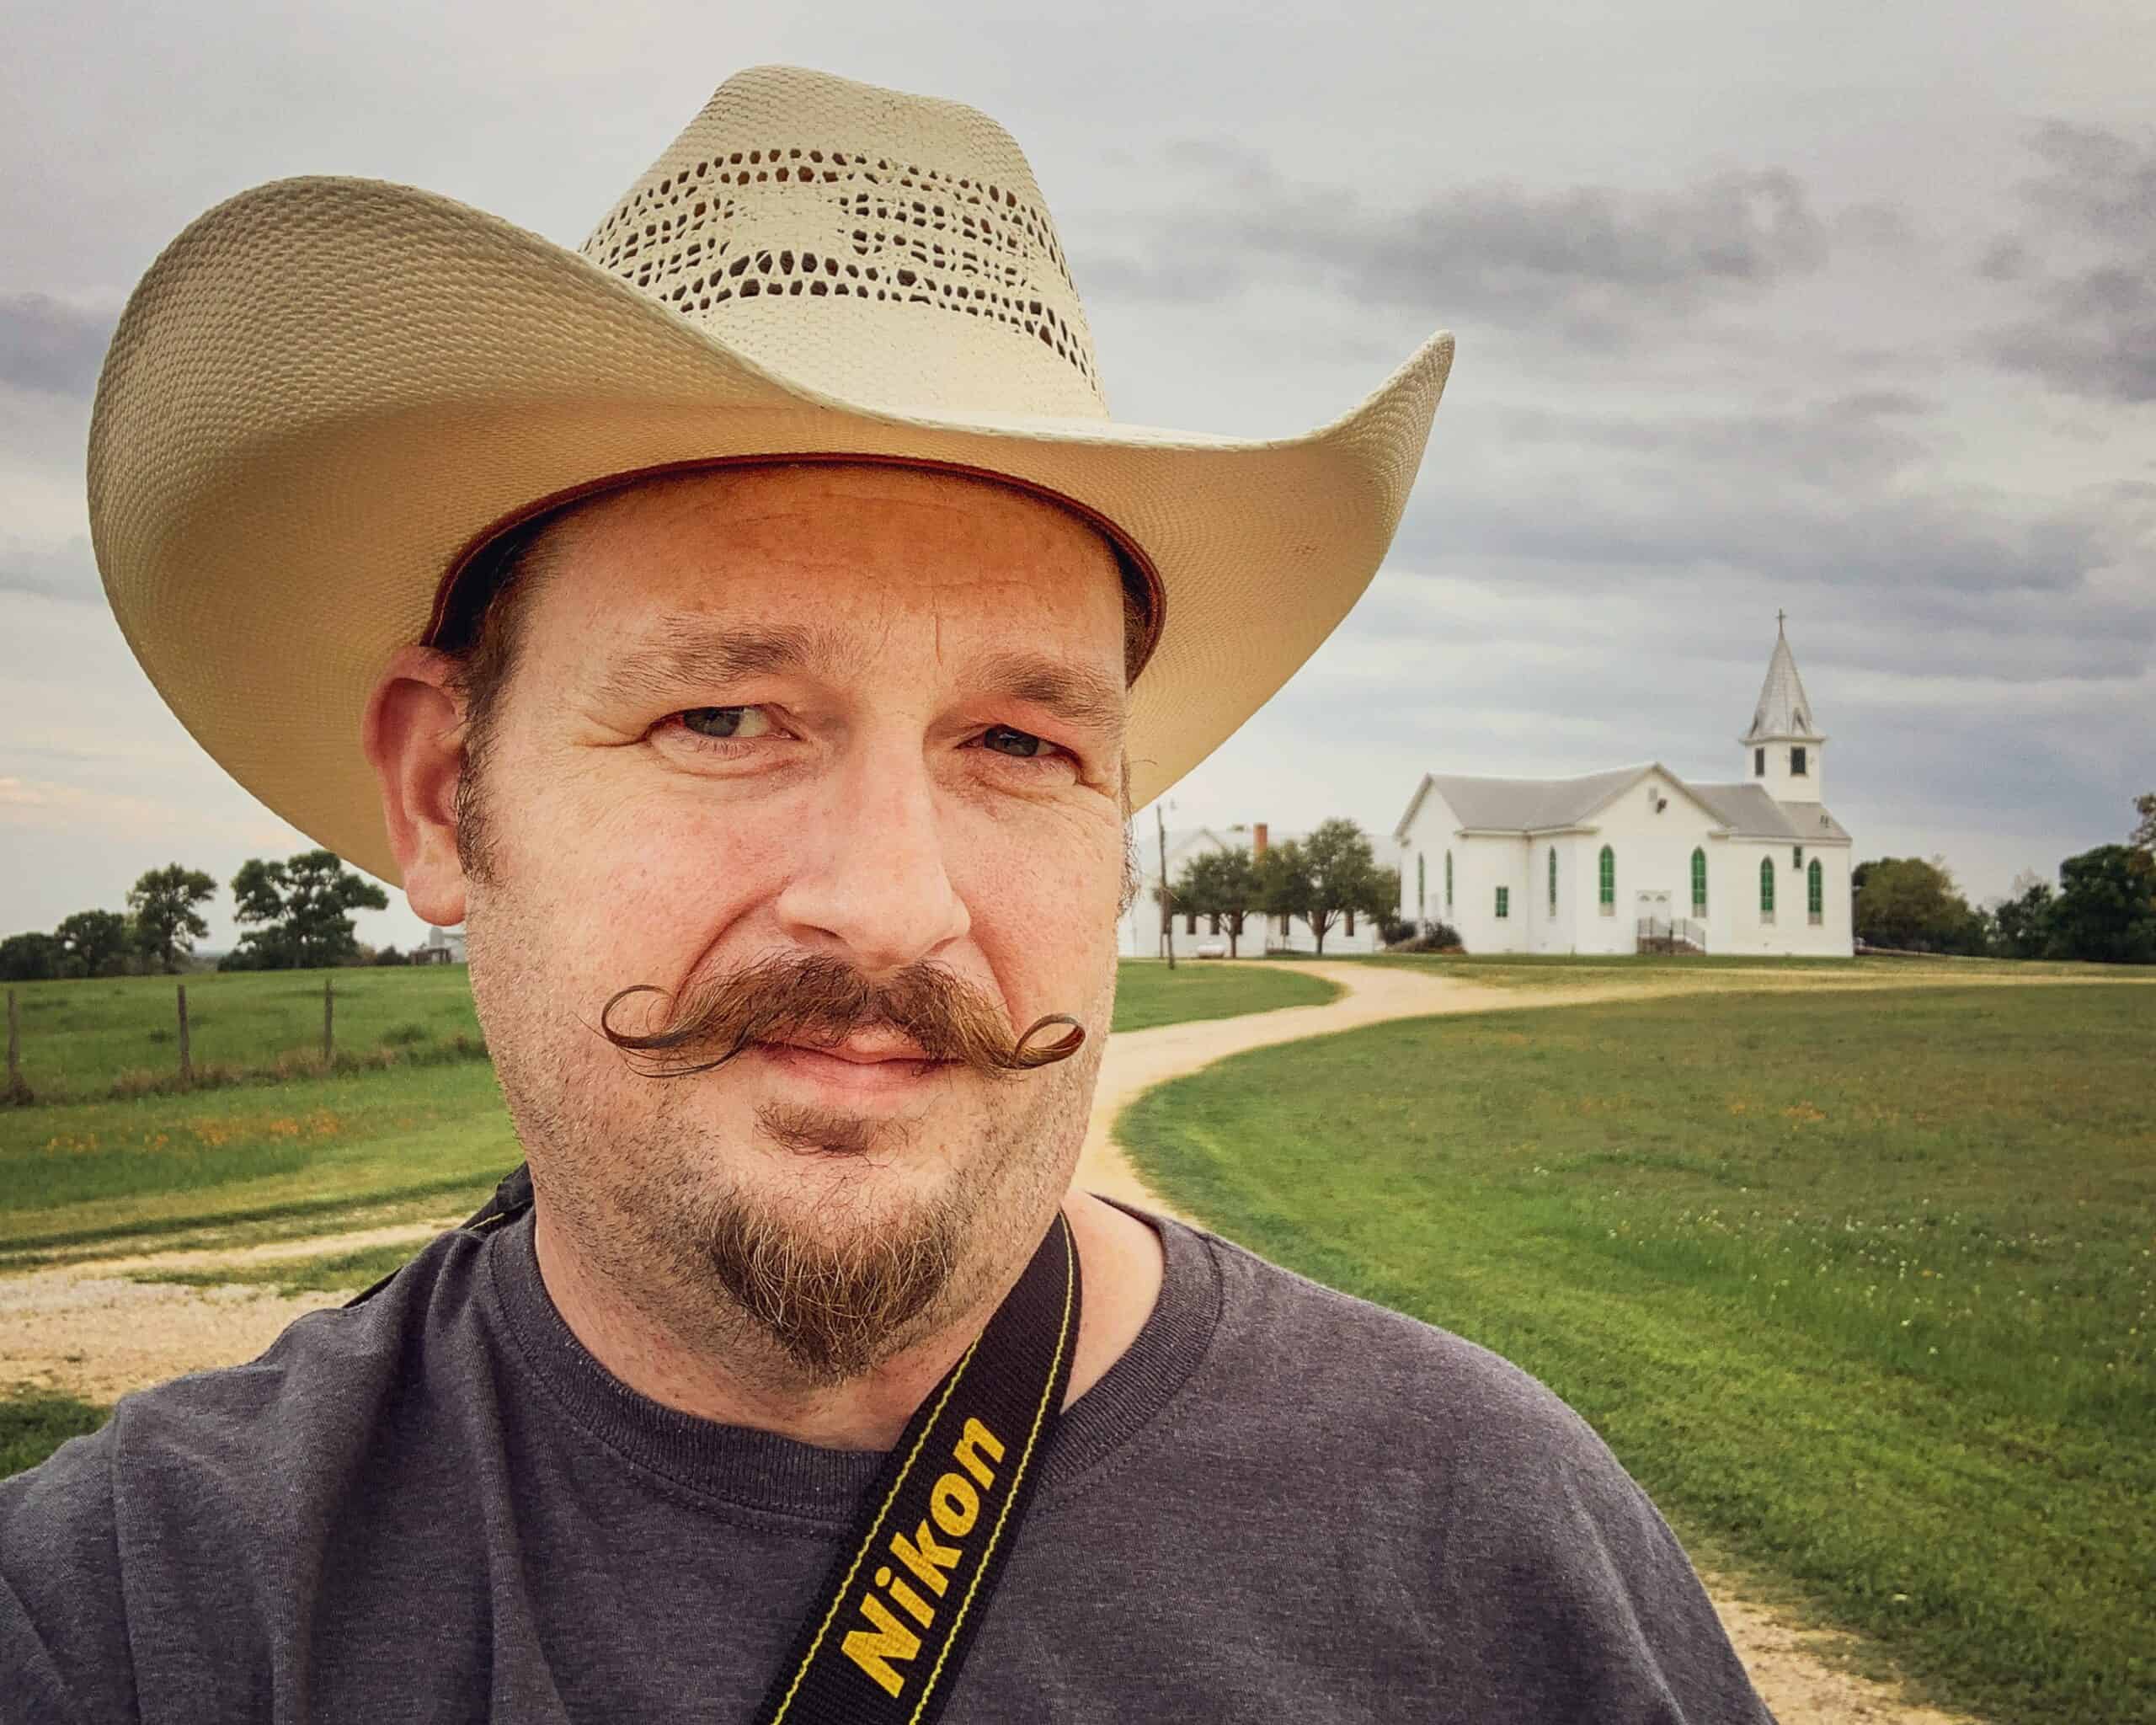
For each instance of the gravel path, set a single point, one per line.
(91, 1329)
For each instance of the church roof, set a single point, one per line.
(1783, 710)
(1748, 812)
(1524, 804)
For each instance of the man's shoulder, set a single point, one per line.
(199, 1494)
(1374, 1371)
(1333, 1370)
(315, 1391)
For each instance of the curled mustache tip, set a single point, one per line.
(1028, 1060)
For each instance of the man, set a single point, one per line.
(756, 631)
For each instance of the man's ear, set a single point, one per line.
(414, 734)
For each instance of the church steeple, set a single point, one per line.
(1784, 743)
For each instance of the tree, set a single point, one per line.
(95, 943)
(167, 924)
(1222, 884)
(31, 958)
(300, 911)
(2143, 836)
(1331, 873)
(2106, 907)
(2022, 922)
(1284, 880)
(1906, 902)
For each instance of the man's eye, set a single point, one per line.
(727, 722)
(1005, 741)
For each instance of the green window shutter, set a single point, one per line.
(1504, 902)
(1766, 886)
(1448, 880)
(1699, 882)
(1553, 880)
(1609, 876)
(1815, 889)
(1419, 899)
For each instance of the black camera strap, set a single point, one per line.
(897, 1613)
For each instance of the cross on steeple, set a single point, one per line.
(1781, 618)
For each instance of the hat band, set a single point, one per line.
(461, 596)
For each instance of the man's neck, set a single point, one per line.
(1120, 1261)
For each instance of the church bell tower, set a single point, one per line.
(1782, 749)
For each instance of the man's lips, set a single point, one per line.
(861, 1051)
(859, 1066)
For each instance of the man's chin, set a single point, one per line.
(840, 1287)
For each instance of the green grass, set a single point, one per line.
(331, 1273)
(82, 1039)
(1555, 970)
(35, 1422)
(1858, 1285)
(93, 1040)
(1148, 994)
(166, 1164)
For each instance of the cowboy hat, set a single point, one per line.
(327, 396)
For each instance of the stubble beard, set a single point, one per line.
(698, 1235)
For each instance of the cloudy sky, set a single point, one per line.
(1840, 308)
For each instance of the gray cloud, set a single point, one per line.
(1595, 257)
(64, 572)
(48, 344)
(1635, 536)
(2092, 328)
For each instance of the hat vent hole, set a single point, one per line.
(670, 238)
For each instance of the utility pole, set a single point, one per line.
(1167, 907)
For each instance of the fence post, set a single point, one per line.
(328, 1017)
(186, 1056)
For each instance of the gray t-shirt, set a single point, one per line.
(1282, 1504)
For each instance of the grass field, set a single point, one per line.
(429, 1137)
(82, 1039)
(1571, 970)
(1859, 1286)
(90, 1040)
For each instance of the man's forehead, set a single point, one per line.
(811, 569)
(839, 508)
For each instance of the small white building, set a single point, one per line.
(1598, 863)
(442, 946)
(1143, 932)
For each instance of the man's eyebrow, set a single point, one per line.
(1076, 693)
(685, 649)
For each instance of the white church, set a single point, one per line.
(1610, 862)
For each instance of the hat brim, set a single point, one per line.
(324, 389)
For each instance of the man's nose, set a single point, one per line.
(874, 883)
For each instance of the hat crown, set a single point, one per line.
(879, 246)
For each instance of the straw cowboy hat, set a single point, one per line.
(328, 395)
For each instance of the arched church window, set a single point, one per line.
(1553, 880)
(1699, 883)
(1815, 891)
(1608, 871)
(1766, 888)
